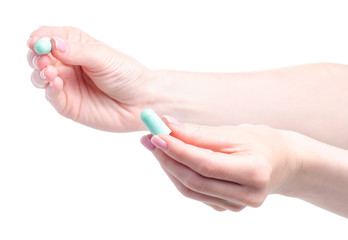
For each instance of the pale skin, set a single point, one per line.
(93, 84)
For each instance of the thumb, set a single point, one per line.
(213, 138)
(88, 54)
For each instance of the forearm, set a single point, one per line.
(323, 177)
(311, 99)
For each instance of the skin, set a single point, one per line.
(103, 88)
(246, 163)
(90, 83)
(95, 85)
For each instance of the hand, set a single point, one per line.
(89, 82)
(227, 167)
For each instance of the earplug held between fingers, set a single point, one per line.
(43, 46)
(154, 123)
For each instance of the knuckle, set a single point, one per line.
(253, 198)
(254, 202)
(186, 192)
(195, 183)
(260, 175)
(161, 158)
(36, 81)
(207, 168)
(180, 151)
(195, 130)
(218, 209)
(236, 208)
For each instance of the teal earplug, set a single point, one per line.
(43, 46)
(154, 123)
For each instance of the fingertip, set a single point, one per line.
(37, 81)
(215, 207)
(53, 88)
(32, 40)
(59, 44)
(146, 142)
(42, 61)
(159, 142)
(172, 122)
(58, 84)
(64, 52)
(30, 56)
(49, 73)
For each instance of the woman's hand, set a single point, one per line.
(89, 82)
(226, 167)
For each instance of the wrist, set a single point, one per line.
(305, 153)
(292, 162)
(321, 177)
(168, 92)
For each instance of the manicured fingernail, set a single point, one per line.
(60, 44)
(159, 142)
(145, 140)
(172, 120)
(42, 74)
(28, 41)
(35, 59)
(50, 84)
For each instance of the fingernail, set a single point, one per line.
(50, 84)
(60, 44)
(42, 74)
(172, 121)
(35, 59)
(159, 142)
(28, 41)
(147, 143)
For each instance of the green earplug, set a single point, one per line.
(154, 123)
(43, 46)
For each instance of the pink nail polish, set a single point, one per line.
(147, 143)
(172, 121)
(35, 59)
(59, 44)
(159, 142)
(42, 74)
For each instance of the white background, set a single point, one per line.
(62, 180)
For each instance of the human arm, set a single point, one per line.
(246, 163)
(310, 99)
(103, 88)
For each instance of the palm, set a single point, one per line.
(104, 100)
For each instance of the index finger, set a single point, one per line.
(67, 33)
(229, 167)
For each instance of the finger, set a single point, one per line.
(92, 55)
(38, 61)
(219, 203)
(146, 141)
(30, 57)
(49, 73)
(203, 136)
(216, 208)
(37, 81)
(73, 46)
(216, 188)
(66, 33)
(41, 78)
(206, 163)
(55, 94)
